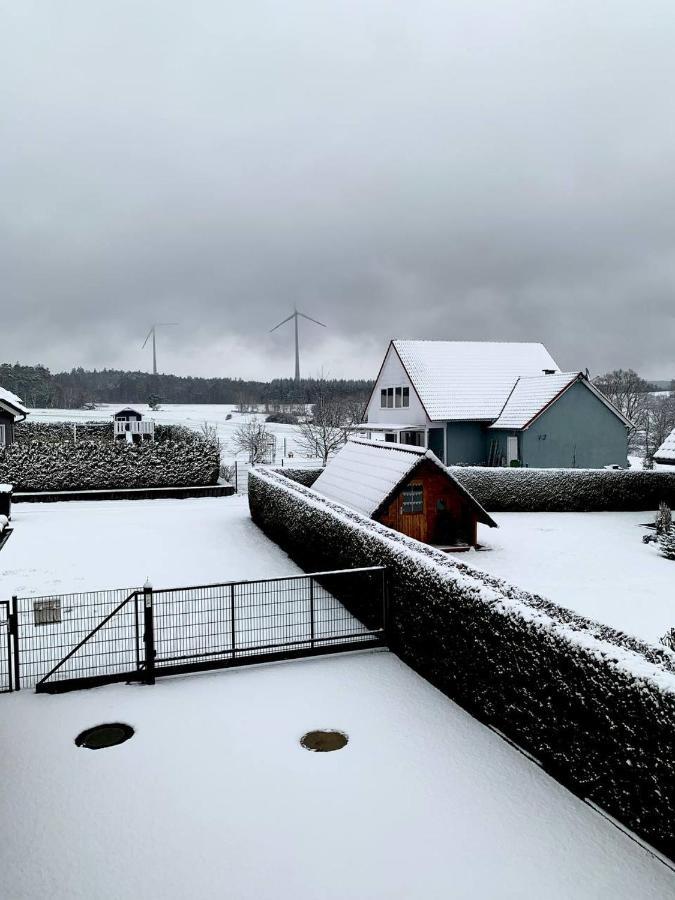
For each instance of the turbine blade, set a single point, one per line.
(316, 321)
(147, 338)
(282, 323)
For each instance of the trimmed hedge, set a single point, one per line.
(48, 466)
(594, 705)
(63, 432)
(566, 490)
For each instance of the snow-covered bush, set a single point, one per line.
(664, 518)
(91, 465)
(668, 639)
(566, 490)
(594, 705)
(667, 543)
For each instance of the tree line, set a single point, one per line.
(652, 413)
(79, 388)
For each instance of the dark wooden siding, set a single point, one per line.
(456, 524)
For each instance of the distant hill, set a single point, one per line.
(666, 385)
(38, 387)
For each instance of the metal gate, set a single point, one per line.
(150, 633)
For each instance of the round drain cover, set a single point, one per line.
(107, 735)
(324, 741)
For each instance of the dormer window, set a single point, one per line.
(395, 398)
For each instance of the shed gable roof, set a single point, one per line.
(469, 380)
(666, 452)
(365, 474)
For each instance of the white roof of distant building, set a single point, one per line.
(531, 396)
(364, 474)
(469, 380)
(666, 451)
(12, 400)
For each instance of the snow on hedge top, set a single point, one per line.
(469, 380)
(529, 397)
(364, 473)
(666, 451)
(12, 400)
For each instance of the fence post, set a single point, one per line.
(311, 612)
(149, 634)
(233, 629)
(385, 605)
(14, 631)
(236, 478)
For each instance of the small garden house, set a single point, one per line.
(12, 410)
(665, 455)
(130, 425)
(406, 488)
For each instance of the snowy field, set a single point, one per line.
(191, 416)
(594, 563)
(92, 545)
(213, 797)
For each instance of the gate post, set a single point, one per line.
(149, 633)
(13, 621)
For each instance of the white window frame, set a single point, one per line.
(395, 397)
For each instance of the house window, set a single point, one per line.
(3, 436)
(394, 398)
(413, 499)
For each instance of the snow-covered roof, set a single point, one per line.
(364, 474)
(469, 380)
(12, 400)
(666, 452)
(530, 396)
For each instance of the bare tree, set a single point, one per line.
(253, 438)
(326, 430)
(659, 421)
(629, 393)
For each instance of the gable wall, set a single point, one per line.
(422, 526)
(577, 431)
(394, 375)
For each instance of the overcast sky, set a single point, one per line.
(456, 169)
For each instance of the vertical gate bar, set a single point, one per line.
(232, 622)
(149, 634)
(138, 643)
(14, 625)
(311, 612)
(9, 649)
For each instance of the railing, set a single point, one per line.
(134, 427)
(62, 642)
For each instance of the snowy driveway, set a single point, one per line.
(92, 545)
(214, 798)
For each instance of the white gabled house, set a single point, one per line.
(493, 403)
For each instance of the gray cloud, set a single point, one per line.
(462, 170)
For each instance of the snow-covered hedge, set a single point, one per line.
(595, 706)
(65, 433)
(566, 490)
(47, 466)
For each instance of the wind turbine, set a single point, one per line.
(294, 315)
(154, 342)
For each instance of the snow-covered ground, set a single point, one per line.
(92, 545)
(594, 563)
(190, 415)
(214, 797)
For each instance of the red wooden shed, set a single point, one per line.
(406, 488)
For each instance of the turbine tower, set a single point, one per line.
(152, 333)
(294, 315)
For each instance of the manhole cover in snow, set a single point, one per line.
(107, 735)
(324, 741)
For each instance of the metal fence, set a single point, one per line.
(61, 642)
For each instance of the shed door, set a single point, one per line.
(511, 448)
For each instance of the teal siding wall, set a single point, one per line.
(466, 443)
(578, 431)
